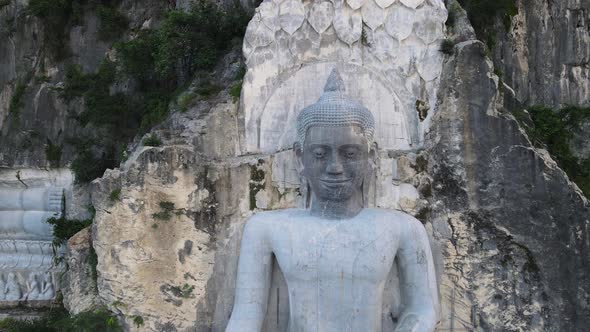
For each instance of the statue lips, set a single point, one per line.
(335, 182)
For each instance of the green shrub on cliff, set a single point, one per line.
(554, 130)
(483, 14)
(58, 320)
(186, 41)
(112, 23)
(160, 62)
(58, 16)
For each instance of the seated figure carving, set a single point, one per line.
(336, 255)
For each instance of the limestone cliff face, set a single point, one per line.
(544, 57)
(29, 70)
(514, 227)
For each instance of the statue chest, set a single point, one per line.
(336, 252)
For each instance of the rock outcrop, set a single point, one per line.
(79, 286)
(545, 55)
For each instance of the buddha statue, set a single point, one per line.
(336, 255)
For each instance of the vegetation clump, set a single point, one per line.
(112, 23)
(185, 291)
(165, 213)
(53, 153)
(115, 195)
(554, 130)
(138, 321)
(161, 61)
(16, 102)
(58, 16)
(483, 14)
(58, 320)
(64, 229)
(152, 140)
(447, 46)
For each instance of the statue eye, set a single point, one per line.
(350, 153)
(319, 153)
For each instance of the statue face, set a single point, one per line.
(335, 161)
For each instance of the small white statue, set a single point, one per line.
(32, 287)
(12, 290)
(2, 288)
(48, 292)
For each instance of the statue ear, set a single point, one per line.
(297, 148)
(373, 154)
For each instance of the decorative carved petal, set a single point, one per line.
(348, 26)
(399, 22)
(356, 4)
(383, 46)
(373, 15)
(412, 3)
(292, 15)
(429, 31)
(258, 34)
(269, 13)
(320, 16)
(429, 64)
(385, 3)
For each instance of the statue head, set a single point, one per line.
(335, 146)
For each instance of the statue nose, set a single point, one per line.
(335, 167)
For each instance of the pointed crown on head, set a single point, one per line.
(335, 109)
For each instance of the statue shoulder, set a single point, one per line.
(270, 218)
(399, 218)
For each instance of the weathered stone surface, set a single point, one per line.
(510, 222)
(544, 57)
(412, 3)
(258, 34)
(385, 3)
(348, 25)
(291, 15)
(79, 288)
(269, 12)
(320, 16)
(400, 22)
(373, 15)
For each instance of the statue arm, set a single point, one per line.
(253, 280)
(417, 283)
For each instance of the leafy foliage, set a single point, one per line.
(16, 102)
(64, 229)
(138, 321)
(152, 140)
(87, 166)
(447, 46)
(58, 320)
(112, 23)
(4, 3)
(59, 15)
(53, 153)
(160, 61)
(555, 130)
(187, 41)
(236, 90)
(165, 213)
(483, 13)
(115, 195)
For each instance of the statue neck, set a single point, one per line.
(329, 209)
